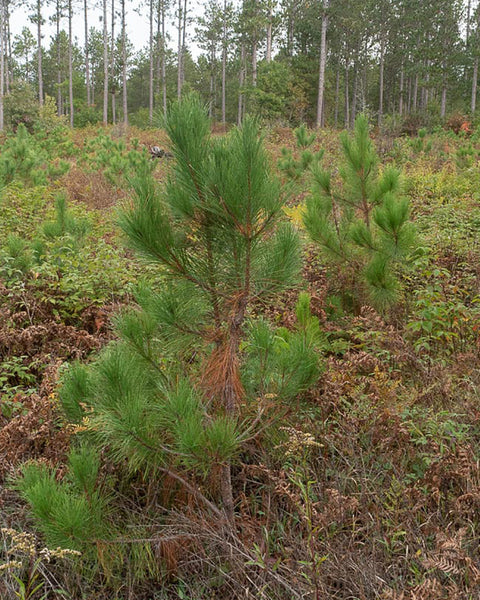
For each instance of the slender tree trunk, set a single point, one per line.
(70, 68)
(87, 57)
(241, 79)
(364, 79)
(467, 37)
(184, 39)
(347, 95)
(409, 96)
(227, 492)
(179, 51)
(105, 64)
(474, 86)
(291, 29)
(124, 69)
(211, 102)
(401, 92)
(158, 50)
(443, 105)
(415, 93)
(426, 88)
(473, 104)
(39, 52)
(8, 46)
(150, 75)
(382, 69)
(59, 69)
(268, 53)
(112, 65)
(469, 12)
(254, 62)
(224, 62)
(353, 114)
(337, 94)
(164, 67)
(5, 40)
(27, 61)
(2, 62)
(321, 71)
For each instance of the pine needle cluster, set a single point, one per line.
(294, 167)
(71, 513)
(363, 226)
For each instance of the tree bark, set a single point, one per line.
(39, 52)
(469, 12)
(415, 93)
(241, 78)
(112, 66)
(6, 45)
(426, 89)
(179, 51)
(268, 53)
(353, 112)
(254, 60)
(164, 74)
(337, 94)
(323, 60)
(59, 70)
(401, 91)
(443, 105)
(105, 64)
(473, 104)
(124, 69)
(184, 39)
(347, 95)
(87, 57)
(224, 62)
(150, 74)
(2, 62)
(382, 69)
(290, 29)
(213, 77)
(70, 66)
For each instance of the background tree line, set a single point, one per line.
(319, 61)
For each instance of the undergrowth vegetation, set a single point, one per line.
(250, 371)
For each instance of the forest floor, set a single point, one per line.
(385, 503)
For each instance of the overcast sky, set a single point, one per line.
(137, 24)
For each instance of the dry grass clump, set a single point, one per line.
(91, 188)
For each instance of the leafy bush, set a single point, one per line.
(21, 106)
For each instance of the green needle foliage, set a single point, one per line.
(293, 167)
(71, 513)
(23, 159)
(363, 227)
(65, 223)
(283, 362)
(167, 396)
